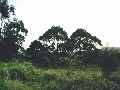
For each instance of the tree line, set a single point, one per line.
(54, 48)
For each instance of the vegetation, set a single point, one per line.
(23, 76)
(12, 35)
(54, 61)
(54, 46)
(5, 9)
(109, 61)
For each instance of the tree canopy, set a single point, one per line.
(84, 44)
(56, 45)
(5, 9)
(54, 37)
(12, 35)
(84, 41)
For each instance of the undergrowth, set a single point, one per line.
(24, 76)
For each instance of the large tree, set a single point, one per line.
(54, 40)
(12, 35)
(12, 32)
(83, 42)
(15, 29)
(54, 37)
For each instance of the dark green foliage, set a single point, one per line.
(49, 77)
(41, 59)
(49, 48)
(91, 57)
(54, 37)
(38, 54)
(115, 79)
(54, 48)
(16, 74)
(5, 9)
(15, 29)
(109, 61)
(83, 43)
(12, 35)
(8, 49)
(35, 47)
(64, 62)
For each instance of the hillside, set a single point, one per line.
(23, 76)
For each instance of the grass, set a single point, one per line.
(24, 76)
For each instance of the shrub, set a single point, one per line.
(109, 61)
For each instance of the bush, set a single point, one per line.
(91, 57)
(109, 61)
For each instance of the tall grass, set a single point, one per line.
(23, 76)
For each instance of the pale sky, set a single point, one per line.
(101, 18)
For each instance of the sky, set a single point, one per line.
(101, 18)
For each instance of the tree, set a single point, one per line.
(54, 37)
(5, 9)
(35, 46)
(39, 54)
(12, 35)
(83, 42)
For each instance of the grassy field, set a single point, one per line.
(23, 76)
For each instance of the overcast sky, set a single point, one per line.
(101, 18)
